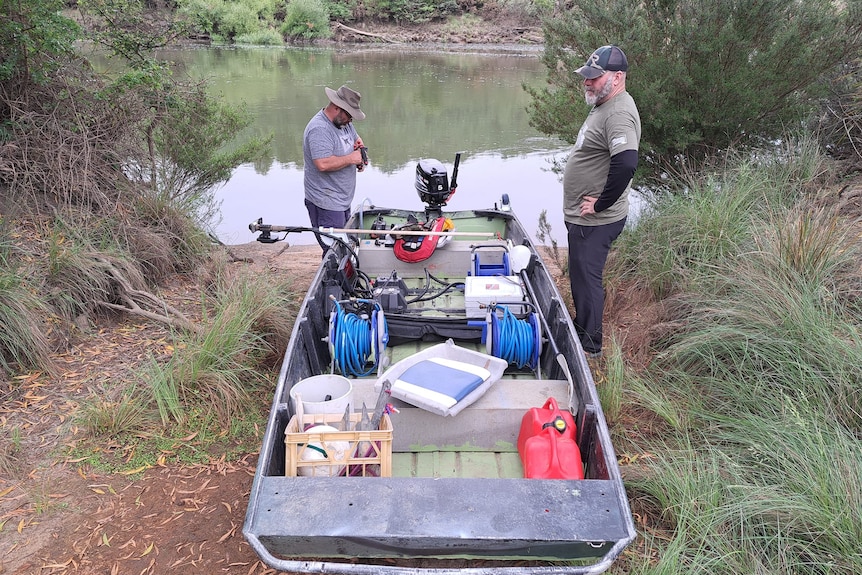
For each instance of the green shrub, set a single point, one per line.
(238, 19)
(705, 75)
(341, 11)
(411, 11)
(205, 15)
(231, 20)
(268, 37)
(525, 10)
(35, 40)
(306, 20)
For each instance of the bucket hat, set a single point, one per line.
(347, 100)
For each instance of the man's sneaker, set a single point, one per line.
(593, 354)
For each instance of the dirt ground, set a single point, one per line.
(59, 518)
(497, 31)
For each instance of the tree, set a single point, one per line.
(119, 171)
(706, 75)
(35, 41)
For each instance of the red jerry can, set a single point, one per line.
(538, 418)
(547, 445)
(549, 455)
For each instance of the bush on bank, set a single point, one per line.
(106, 190)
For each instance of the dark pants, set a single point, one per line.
(588, 253)
(327, 219)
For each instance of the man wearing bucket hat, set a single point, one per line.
(596, 184)
(332, 153)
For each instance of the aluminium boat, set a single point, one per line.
(443, 481)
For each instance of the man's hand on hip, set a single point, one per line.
(588, 205)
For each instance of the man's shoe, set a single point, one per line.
(593, 354)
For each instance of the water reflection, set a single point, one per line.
(277, 196)
(419, 104)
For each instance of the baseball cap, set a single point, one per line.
(605, 59)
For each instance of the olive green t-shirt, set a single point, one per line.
(610, 128)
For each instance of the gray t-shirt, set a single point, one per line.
(328, 190)
(609, 129)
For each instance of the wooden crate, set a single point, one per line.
(337, 453)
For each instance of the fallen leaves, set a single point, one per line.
(137, 470)
(137, 523)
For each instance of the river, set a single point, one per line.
(420, 103)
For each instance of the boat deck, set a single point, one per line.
(499, 464)
(480, 442)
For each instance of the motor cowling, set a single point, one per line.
(432, 183)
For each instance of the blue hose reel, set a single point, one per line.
(357, 337)
(518, 341)
(500, 267)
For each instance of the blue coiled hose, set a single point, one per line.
(354, 340)
(515, 340)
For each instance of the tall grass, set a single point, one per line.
(610, 381)
(115, 412)
(23, 315)
(707, 218)
(207, 388)
(76, 281)
(758, 387)
(216, 369)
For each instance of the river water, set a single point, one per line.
(420, 103)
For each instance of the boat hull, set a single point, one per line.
(457, 499)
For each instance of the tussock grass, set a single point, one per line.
(118, 412)
(208, 389)
(76, 281)
(10, 449)
(215, 370)
(757, 468)
(23, 341)
(708, 218)
(24, 316)
(177, 224)
(612, 378)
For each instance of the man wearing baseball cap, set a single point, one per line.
(332, 154)
(596, 184)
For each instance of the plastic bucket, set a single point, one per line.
(328, 393)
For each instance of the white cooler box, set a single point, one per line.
(480, 291)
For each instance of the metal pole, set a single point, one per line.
(404, 232)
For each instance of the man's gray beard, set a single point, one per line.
(592, 99)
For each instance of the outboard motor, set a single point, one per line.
(432, 184)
